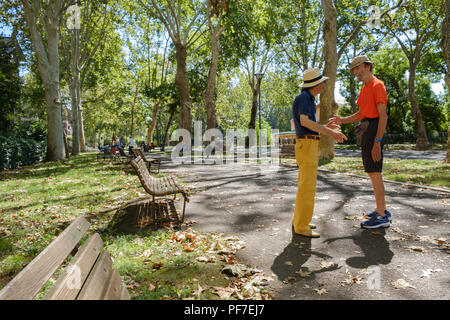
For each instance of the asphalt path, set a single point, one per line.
(409, 260)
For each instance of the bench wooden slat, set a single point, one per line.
(33, 277)
(96, 283)
(114, 289)
(67, 286)
(125, 295)
(172, 183)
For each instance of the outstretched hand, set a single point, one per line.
(335, 120)
(333, 125)
(338, 136)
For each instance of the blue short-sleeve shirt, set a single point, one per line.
(304, 103)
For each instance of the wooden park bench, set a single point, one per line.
(149, 160)
(287, 151)
(123, 155)
(158, 187)
(88, 276)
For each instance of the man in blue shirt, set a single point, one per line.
(307, 149)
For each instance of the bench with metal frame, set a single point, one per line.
(158, 187)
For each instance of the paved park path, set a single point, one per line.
(409, 260)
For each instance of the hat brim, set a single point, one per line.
(315, 83)
(360, 64)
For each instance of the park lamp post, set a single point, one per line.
(259, 77)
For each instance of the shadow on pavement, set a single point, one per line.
(298, 252)
(374, 246)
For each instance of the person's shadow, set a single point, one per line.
(294, 256)
(373, 245)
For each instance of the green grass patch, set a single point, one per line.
(423, 172)
(40, 201)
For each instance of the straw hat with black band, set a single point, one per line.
(312, 77)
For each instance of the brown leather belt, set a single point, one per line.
(309, 136)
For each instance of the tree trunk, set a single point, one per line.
(151, 129)
(166, 133)
(211, 84)
(95, 139)
(252, 123)
(327, 103)
(181, 80)
(445, 45)
(81, 126)
(75, 93)
(352, 88)
(422, 139)
(48, 66)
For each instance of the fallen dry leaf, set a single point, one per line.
(321, 291)
(401, 284)
(224, 293)
(418, 249)
(288, 280)
(326, 265)
(428, 272)
(288, 263)
(303, 274)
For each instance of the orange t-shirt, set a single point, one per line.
(371, 94)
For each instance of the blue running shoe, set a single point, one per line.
(375, 222)
(374, 213)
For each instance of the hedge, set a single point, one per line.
(17, 151)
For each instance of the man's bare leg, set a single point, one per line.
(378, 190)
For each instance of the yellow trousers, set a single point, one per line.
(307, 157)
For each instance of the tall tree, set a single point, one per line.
(184, 20)
(215, 11)
(445, 45)
(332, 55)
(412, 29)
(44, 19)
(85, 42)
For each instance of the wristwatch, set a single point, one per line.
(378, 139)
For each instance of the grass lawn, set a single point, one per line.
(404, 146)
(40, 201)
(423, 172)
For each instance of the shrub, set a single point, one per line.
(18, 151)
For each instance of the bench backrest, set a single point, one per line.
(139, 151)
(135, 152)
(147, 181)
(88, 276)
(122, 152)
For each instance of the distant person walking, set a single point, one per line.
(372, 103)
(130, 145)
(122, 142)
(307, 149)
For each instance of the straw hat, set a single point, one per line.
(312, 77)
(359, 60)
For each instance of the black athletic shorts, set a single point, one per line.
(367, 142)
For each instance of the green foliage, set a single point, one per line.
(10, 84)
(19, 151)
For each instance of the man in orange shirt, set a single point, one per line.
(372, 103)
